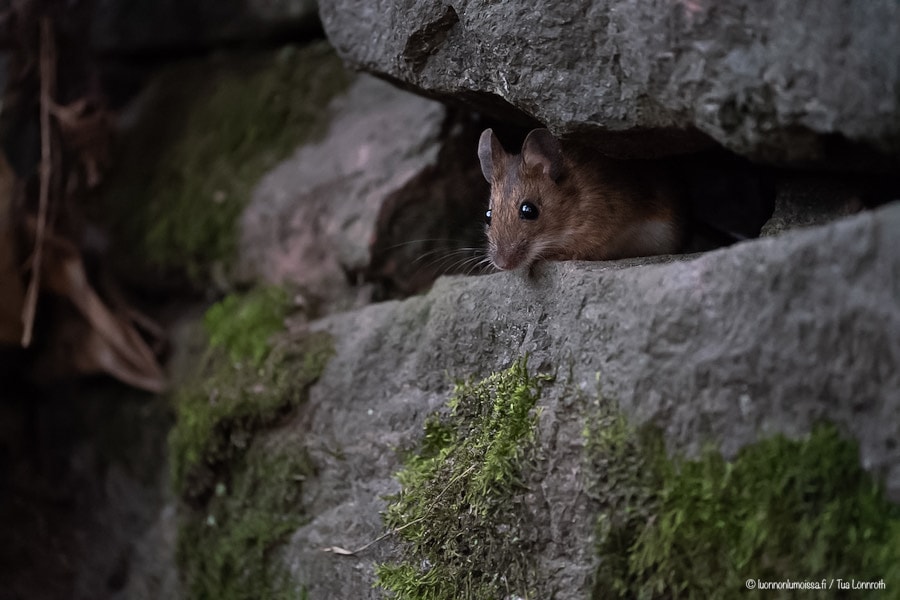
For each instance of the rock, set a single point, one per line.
(803, 200)
(389, 196)
(765, 79)
(767, 336)
(133, 26)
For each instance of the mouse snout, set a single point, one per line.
(507, 258)
(502, 263)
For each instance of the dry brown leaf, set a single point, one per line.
(74, 348)
(97, 355)
(87, 336)
(115, 346)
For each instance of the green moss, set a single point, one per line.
(243, 324)
(212, 129)
(217, 413)
(245, 382)
(240, 489)
(457, 513)
(226, 549)
(783, 509)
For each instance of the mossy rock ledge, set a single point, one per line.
(659, 430)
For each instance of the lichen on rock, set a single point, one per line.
(457, 513)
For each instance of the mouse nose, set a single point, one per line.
(500, 262)
(506, 261)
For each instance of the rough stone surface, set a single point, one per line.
(807, 200)
(153, 25)
(767, 336)
(769, 79)
(392, 168)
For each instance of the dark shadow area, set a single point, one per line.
(82, 466)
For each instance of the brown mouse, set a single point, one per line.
(559, 201)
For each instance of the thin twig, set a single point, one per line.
(48, 80)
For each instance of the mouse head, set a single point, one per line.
(523, 219)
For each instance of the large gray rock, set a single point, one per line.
(770, 79)
(387, 196)
(731, 346)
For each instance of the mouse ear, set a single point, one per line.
(489, 152)
(542, 149)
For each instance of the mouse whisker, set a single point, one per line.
(449, 260)
(440, 262)
(421, 241)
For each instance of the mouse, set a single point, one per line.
(563, 201)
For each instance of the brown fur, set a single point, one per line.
(597, 208)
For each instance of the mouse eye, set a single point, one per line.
(528, 211)
(487, 217)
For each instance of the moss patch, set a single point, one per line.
(782, 510)
(217, 414)
(457, 512)
(212, 129)
(243, 324)
(240, 489)
(226, 550)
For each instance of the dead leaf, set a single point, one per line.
(115, 346)
(74, 348)
(88, 336)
